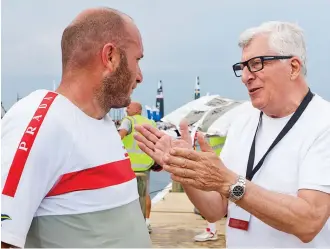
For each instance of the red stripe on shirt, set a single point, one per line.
(25, 145)
(102, 176)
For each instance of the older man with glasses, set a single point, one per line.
(273, 174)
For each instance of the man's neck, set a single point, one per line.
(288, 107)
(75, 89)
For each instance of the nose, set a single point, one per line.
(247, 76)
(139, 76)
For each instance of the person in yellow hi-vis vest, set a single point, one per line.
(216, 142)
(140, 161)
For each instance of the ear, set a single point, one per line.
(109, 56)
(295, 68)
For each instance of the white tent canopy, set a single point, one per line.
(221, 125)
(210, 114)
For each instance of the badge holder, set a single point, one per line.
(239, 218)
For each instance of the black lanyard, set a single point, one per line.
(250, 171)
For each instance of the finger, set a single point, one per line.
(144, 142)
(189, 154)
(184, 131)
(145, 149)
(179, 162)
(203, 144)
(153, 154)
(153, 130)
(146, 133)
(182, 172)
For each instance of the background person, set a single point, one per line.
(140, 161)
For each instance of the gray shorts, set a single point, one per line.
(147, 173)
(148, 181)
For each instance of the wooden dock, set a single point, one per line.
(174, 224)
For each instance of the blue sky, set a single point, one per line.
(182, 39)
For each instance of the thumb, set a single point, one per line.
(184, 131)
(205, 147)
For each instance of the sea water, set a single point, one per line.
(158, 181)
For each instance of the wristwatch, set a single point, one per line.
(237, 190)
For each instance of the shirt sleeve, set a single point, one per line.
(314, 172)
(126, 124)
(29, 169)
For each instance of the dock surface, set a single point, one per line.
(174, 224)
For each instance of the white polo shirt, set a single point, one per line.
(301, 160)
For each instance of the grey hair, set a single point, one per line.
(284, 38)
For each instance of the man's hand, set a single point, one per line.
(202, 170)
(156, 143)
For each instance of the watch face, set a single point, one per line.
(238, 191)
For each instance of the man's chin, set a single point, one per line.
(123, 103)
(257, 103)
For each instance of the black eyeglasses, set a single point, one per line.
(255, 64)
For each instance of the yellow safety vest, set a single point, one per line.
(140, 161)
(216, 142)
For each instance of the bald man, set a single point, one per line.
(65, 183)
(140, 161)
(134, 108)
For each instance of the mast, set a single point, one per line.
(197, 88)
(18, 98)
(160, 100)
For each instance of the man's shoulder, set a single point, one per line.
(39, 100)
(321, 104)
(27, 104)
(41, 110)
(318, 112)
(127, 121)
(34, 128)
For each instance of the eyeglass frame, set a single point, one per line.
(262, 58)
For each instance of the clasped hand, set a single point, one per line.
(199, 169)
